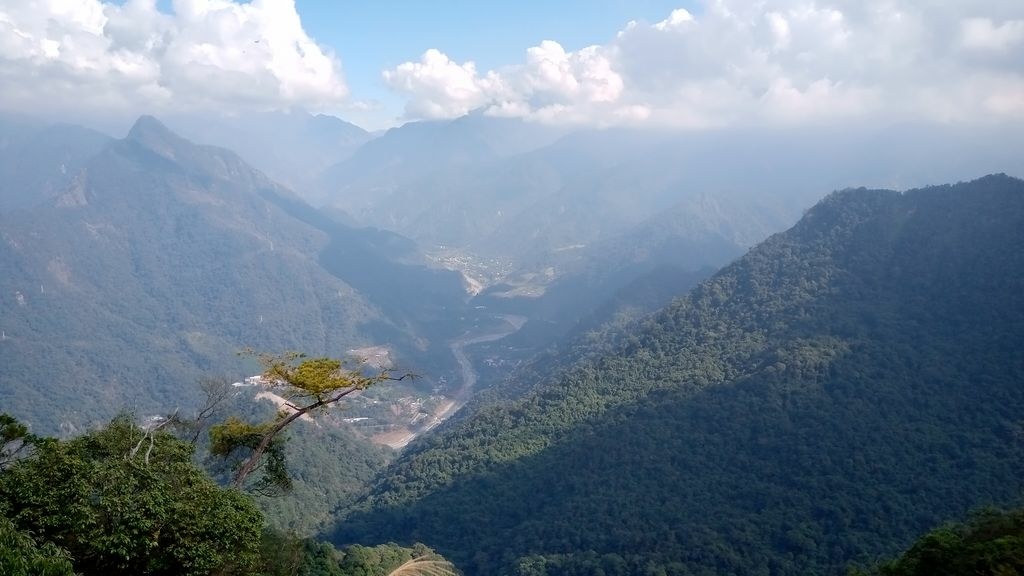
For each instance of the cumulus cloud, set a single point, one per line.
(445, 89)
(551, 84)
(93, 55)
(772, 62)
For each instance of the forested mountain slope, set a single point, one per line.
(991, 543)
(160, 259)
(680, 246)
(39, 160)
(456, 183)
(387, 180)
(842, 388)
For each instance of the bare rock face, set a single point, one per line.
(76, 193)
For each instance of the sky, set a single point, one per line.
(687, 64)
(370, 38)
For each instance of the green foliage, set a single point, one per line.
(14, 440)
(306, 381)
(392, 559)
(329, 466)
(234, 441)
(280, 555)
(11, 430)
(284, 555)
(838, 390)
(990, 544)
(119, 509)
(233, 433)
(162, 259)
(313, 377)
(320, 559)
(20, 555)
(124, 500)
(307, 388)
(588, 563)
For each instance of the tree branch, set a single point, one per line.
(324, 379)
(150, 434)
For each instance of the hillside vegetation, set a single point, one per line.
(128, 500)
(158, 259)
(842, 388)
(991, 543)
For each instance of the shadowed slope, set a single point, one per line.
(838, 390)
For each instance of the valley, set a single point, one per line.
(800, 392)
(575, 288)
(401, 436)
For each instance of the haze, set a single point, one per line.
(539, 288)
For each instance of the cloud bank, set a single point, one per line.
(726, 62)
(764, 63)
(91, 56)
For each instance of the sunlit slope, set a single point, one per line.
(160, 259)
(843, 387)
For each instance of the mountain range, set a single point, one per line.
(838, 390)
(666, 362)
(148, 261)
(448, 183)
(293, 148)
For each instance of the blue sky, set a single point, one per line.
(371, 36)
(682, 64)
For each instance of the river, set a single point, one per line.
(512, 323)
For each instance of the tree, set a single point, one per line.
(306, 387)
(126, 500)
(424, 567)
(217, 393)
(15, 440)
(21, 556)
(285, 554)
(991, 543)
(393, 560)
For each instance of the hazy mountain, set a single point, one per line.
(39, 160)
(450, 188)
(841, 388)
(390, 170)
(678, 247)
(160, 259)
(292, 148)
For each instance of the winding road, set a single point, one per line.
(401, 438)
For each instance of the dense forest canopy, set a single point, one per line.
(843, 387)
(157, 260)
(130, 500)
(840, 389)
(660, 288)
(991, 543)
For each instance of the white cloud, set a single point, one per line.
(444, 88)
(95, 56)
(984, 34)
(552, 85)
(780, 29)
(770, 62)
(677, 19)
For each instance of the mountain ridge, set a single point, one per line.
(162, 259)
(789, 416)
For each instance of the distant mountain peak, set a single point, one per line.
(150, 133)
(152, 137)
(146, 126)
